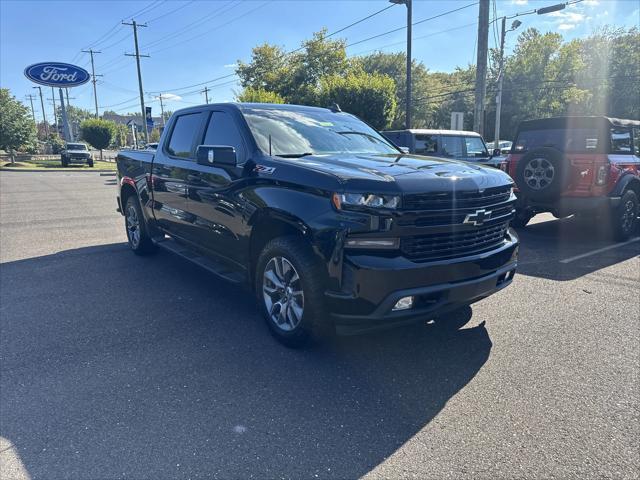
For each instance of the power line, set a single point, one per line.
(211, 29)
(170, 12)
(413, 24)
(361, 20)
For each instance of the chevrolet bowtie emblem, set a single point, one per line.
(478, 218)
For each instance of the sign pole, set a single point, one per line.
(65, 123)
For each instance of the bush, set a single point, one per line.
(372, 97)
(259, 95)
(98, 133)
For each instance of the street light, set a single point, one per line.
(514, 25)
(408, 3)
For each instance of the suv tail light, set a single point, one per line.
(601, 174)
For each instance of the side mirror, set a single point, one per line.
(211, 155)
(496, 152)
(405, 149)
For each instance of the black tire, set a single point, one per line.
(64, 161)
(521, 218)
(624, 218)
(312, 321)
(140, 244)
(542, 174)
(90, 163)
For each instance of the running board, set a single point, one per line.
(218, 268)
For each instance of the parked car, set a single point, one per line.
(152, 146)
(331, 225)
(455, 144)
(503, 145)
(578, 165)
(75, 153)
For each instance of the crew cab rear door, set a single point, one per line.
(212, 205)
(173, 163)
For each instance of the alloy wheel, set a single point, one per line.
(628, 216)
(282, 293)
(133, 226)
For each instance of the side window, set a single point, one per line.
(222, 130)
(620, 140)
(451, 146)
(636, 140)
(183, 134)
(475, 147)
(426, 144)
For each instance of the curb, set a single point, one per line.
(95, 170)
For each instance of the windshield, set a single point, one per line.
(475, 147)
(76, 146)
(298, 132)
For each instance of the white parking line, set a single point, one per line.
(604, 249)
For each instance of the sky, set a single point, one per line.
(191, 42)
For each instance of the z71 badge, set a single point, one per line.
(264, 169)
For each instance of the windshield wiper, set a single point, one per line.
(293, 155)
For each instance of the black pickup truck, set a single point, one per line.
(331, 225)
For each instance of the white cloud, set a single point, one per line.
(519, 2)
(566, 26)
(171, 97)
(591, 3)
(230, 65)
(570, 17)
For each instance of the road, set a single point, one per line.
(115, 366)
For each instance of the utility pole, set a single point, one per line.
(55, 113)
(408, 105)
(206, 94)
(503, 33)
(44, 115)
(137, 55)
(93, 76)
(33, 113)
(161, 109)
(65, 121)
(481, 67)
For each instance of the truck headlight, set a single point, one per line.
(342, 200)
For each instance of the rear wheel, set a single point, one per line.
(137, 233)
(65, 162)
(289, 288)
(624, 217)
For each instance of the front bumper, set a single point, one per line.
(375, 284)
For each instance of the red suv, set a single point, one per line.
(588, 166)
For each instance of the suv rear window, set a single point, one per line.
(620, 140)
(577, 140)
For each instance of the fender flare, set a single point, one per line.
(624, 182)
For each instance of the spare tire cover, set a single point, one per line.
(541, 174)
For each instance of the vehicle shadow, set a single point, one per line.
(120, 366)
(549, 249)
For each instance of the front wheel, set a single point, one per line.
(65, 162)
(521, 218)
(289, 288)
(137, 234)
(624, 217)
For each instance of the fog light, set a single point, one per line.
(403, 304)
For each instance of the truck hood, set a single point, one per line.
(404, 173)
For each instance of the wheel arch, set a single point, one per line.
(628, 181)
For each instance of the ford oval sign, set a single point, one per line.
(56, 74)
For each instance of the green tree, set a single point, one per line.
(98, 133)
(17, 131)
(370, 97)
(75, 114)
(258, 95)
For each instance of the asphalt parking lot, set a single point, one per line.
(115, 366)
